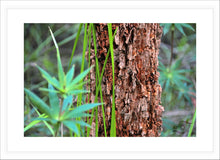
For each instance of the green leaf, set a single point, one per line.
(187, 26)
(113, 118)
(183, 71)
(178, 83)
(180, 28)
(75, 43)
(176, 64)
(37, 102)
(50, 80)
(72, 126)
(180, 77)
(192, 124)
(67, 101)
(33, 123)
(54, 102)
(76, 92)
(79, 115)
(48, 90)
(81, 109)
(167, 85)
(48, 126)
(61, 74)
(70, 75)
(78, 78)
(78, 86)
(30, 125)
(166, 28)
(82, 123)
(40, 119)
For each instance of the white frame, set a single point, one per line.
(204, 13)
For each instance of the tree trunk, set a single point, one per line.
(137, 91)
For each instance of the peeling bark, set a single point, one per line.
(137, 91)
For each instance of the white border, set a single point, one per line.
(14, 14)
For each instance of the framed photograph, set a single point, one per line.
(109, 79)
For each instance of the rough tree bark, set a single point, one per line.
(137, 91)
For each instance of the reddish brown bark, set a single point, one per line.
(137, 91)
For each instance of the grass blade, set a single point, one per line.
(99, 87)
(75, 43)
(113, 121)
(83, 60)
(192, 124)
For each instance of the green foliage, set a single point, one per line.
(60, 111)
(113, 118)
(192, 124)
(178, 26)
(172, 75)
(98, 82)
(177, 75)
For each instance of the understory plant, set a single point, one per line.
(176, 73)
(60, 110)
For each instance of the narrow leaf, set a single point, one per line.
(78, 78)
(76, 92)
(81, 109)
(180, 28)
(79, 115)
(70, 75)
(67, 101)
(192, 124)
(113, 121)
(82, 123)
(78, 86)
(45, 122)
(48, 90)
(54, 102)
(61, 74)
(188, 26)
(75, 43)
(50, 80)
(166, 28)
(30, 125)
(72, 126)
(37, 102)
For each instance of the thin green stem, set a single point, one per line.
(98, 89)
(89, 64)
(113, 121)
(97, 77)
(75, 43)
(79, 100)
(192, 124)
(83, 58)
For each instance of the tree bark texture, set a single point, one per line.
(137, 91)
